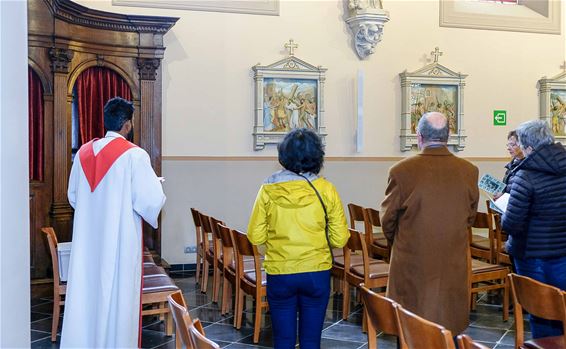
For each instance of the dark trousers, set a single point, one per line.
(550, 271)
(306, 293)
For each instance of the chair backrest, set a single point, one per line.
(420, 333)
(181, 317)
(356, 214)
(466, 342)
(198, 227)
(52, 240)
(227, 246)
(243, 247)
(216, 239)
(200, 341)
(382, 314)
(537, 299)
(356, 242)
(205, 230)
(501, 256)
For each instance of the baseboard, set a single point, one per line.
(183, 267)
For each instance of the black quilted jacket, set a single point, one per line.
(536, 215)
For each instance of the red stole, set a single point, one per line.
(96, 166)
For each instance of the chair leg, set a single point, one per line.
(199, 262)
(345, 302)
(178, 344)
(372, 341)
(216, 284)
(257, 320)
(204, 283)
(168, 324)
(240, 311)
(56, 313)
(226, 288)
(505, 299)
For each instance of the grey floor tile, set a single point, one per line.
(37, 335)
(492, 321)
(152, 339)
(227, 333)
(490, 335)
(345, 332)
(46, 344)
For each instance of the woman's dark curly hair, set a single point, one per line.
(301, 151)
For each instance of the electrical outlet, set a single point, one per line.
(190, 249)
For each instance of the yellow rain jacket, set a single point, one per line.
(289, 219)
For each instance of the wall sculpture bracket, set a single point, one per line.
(366, 20)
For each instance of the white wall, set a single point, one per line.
(208, 97)
(14, 198)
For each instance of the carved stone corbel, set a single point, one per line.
(60, 59)
(366, 21)
(148, 68)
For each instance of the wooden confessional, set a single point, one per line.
(64, 40)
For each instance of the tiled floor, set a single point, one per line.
(486, 325)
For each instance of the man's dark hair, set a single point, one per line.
(117, 112)
(301, 151)
(512, 134)
(430, 133)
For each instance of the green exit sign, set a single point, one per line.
(499, 117)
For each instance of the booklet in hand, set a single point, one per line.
(491, 185)
(500, 205)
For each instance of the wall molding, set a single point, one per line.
(256, 7)
(327, 159)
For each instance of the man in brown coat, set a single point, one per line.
(430, 201)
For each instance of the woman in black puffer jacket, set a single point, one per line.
(536, 215)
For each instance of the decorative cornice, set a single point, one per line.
(71, 12)
(148, 68)
(60, 59)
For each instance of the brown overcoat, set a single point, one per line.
(430, 201)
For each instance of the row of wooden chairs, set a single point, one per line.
(157, 285)
(484, 276)
(235, 262)
(412, 331)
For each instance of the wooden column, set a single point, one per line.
(150, 130)
(61, 212)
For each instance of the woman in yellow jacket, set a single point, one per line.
(299, 216)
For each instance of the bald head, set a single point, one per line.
(433, 128)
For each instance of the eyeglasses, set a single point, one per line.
(512, 145)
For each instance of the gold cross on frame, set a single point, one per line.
(291, 46)
(436, 53)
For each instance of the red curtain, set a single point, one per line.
(95, 86)
(35, 121)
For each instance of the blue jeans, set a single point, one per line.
(306, 293)
(551, 271)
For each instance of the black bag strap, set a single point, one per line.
(325, 215)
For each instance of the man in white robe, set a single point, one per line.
(112, 187)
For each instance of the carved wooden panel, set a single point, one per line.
(65, 39)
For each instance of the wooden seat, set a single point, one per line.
(540, 300)
(372, 273)
(482, 245)
(420, 333)
(375, 239)
(200, 251)
(381, 316)
(487, 277)
(218, 265)
(248, 282)
(59, 287)
(155, 290)
(466, 342)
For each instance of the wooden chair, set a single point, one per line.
(540, 300)
(372, 273)
(59, 287)
(481, 246)
(229, 271)
(200, 251)
(466, 342)
(487, 277)
(420, 333)
(377, 242)
(381, 316)
(156, 288)
(207, 248)
(251, 282)
(218, 265)
(184, 324)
